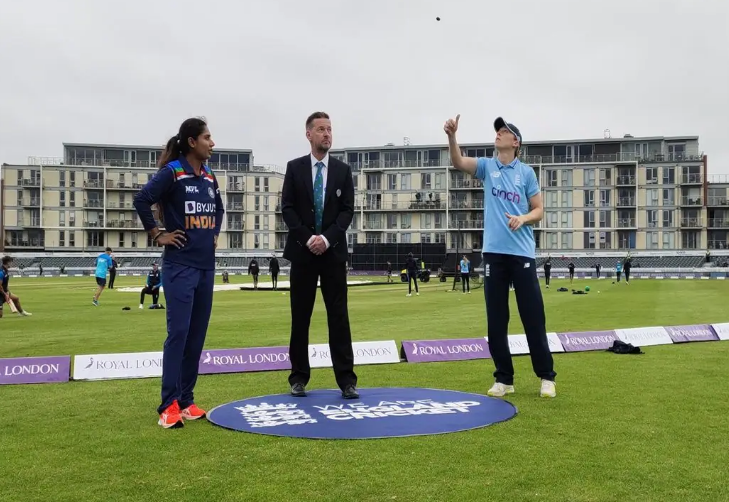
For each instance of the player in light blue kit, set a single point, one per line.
(103, 264)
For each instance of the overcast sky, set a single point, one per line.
(129, 72)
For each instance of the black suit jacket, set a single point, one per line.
(297, 205)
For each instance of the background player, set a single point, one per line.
(465, 275)
(103, 264)
(411, 269)
(548, 270)
(191, 210)
(274, 268)
(154, 281)
(571, 268)
(254, 270)
(4, 288)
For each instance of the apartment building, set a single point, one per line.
(647, 193)
(84, 201)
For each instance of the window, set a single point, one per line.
(426, 221)
(589, 177)
(551, 199)
(552, 219)
(61, 218)
(404, 181)
(566, 240)
(72, 178)
(391, 221)
(121, 239)
(62, 179)
(257, 222)
(257, 202)
(669, 176)
(589, 198)
(391, 238)
(134, 239)
(566, 198)
(406, 238)
(589, 219)
(566, 177)
(550, 178)
(406, 221)
(605, 219)
(374, 182)
(604, 198)
(392, 181)
(669, 240)
(651, 196)
(62, 199)
(589, 240)
(605, 174)
(606, 240)
(566, 219)
(72, 199)
(669, 196)
(62, 239)
(652, 217)
(265, 184)
(425, 180)
(651, 175)
(651, 240)
(94, 239)
(72, 239)
(667, 218)
(551, 240)
(440, 181)
(257, 184)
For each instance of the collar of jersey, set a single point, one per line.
(512, 164)
(188, 168)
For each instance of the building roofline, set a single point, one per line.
(526, 143)
(147, 147)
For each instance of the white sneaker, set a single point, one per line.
(409, 294)
(417, 294)
(25, 313)
(500, 390)
(141, 306)
(549, 389)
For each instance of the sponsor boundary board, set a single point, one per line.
(58, 369)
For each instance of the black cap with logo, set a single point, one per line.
(500, 122)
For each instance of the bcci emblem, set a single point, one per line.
(211, 193)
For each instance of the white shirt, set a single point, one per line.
(324, 172)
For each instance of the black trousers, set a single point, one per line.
(618, 274)
(274, 279)
(627, 274)
(333, 276)
(547, 275)
(412, 279)
(149, 291)
(499, 271)
(466, 281)
(112, 276)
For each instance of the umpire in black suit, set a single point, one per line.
(318, 205)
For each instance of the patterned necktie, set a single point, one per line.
(319, 197)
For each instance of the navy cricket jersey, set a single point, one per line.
(4, 278)
(190, 203)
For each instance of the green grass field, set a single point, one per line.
(623, 427)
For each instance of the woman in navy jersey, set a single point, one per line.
(191, 211)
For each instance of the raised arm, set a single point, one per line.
(465, 164)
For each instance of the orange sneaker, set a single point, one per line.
(192, 412)
(171, 417)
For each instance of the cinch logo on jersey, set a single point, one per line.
(199, 214)
(503, 194)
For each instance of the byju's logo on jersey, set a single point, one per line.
(199, 214)
(507, 196)
(189, 207)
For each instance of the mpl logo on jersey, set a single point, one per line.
(109, 366)
(199, 214)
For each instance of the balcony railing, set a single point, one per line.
(691, 223)
(117, 185)
(626, 201)
(93, 203)
(281, 227)
(718, 244)
(688, 200)
(459, 183)
(465, 204)
(466, 225)
(717, 200)
(692, 179)
(236, 225)
(234, 206)
(26, 243)
(719, 222)
(31, 202)
(31, 223)
(131, 224)
(120, 205)
(625, 179)
(626, 222)
(94, 184)
(30, 182)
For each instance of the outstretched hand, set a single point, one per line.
(451, 126)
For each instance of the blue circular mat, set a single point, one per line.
(378, 413)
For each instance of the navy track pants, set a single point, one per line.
(189, 295)
(499, 271)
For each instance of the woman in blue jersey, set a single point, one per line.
(7, 296)
(512, 205)
(191, 211)
(466, 275)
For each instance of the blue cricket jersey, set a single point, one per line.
(4, 279)
(507, 189)
(464, 267)
(190, 203)
(103, 264)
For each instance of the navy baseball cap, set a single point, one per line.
(500, 122)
